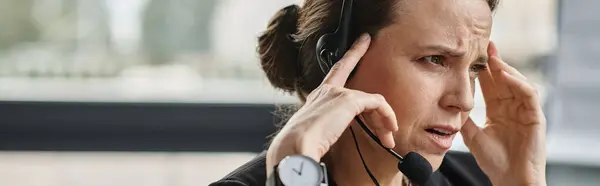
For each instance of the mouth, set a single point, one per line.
(440, 132)
(442, 136)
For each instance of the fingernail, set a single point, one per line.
(498, 59)
(493, 50)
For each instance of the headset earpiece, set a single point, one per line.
(325, 55)
(331, 47)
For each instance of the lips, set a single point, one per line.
(438, 131)
(441, 135)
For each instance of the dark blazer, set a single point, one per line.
(458, 168)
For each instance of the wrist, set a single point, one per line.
(281, 147)
(289, 143)
(298, 170)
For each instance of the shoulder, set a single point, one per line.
(252, 173)
(460, 168)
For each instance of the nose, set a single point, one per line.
(458, 94)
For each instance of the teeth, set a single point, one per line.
(442, 131)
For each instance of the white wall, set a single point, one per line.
(523, 29)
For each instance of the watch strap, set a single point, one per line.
(273, 179)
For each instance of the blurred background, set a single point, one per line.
(170, 92)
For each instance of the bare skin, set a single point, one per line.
(415, 74)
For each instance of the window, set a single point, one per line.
(135, 50)
(177, 50)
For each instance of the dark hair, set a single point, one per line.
(287, 47)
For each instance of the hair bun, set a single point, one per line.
(289, 19)
(278, 51)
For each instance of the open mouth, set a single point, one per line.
(442, 136)
(440, 132)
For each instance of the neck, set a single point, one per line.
(346, 166)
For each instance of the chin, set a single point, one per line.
(434, 159)
(427, 148)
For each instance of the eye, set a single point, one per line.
(435, 59)
(477, 68)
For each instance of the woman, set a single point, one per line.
(414, 88)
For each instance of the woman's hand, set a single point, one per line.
(329, 110)
(511, 147)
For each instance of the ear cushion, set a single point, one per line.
(325, 52)
(332, 46)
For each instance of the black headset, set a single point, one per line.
(331, 47)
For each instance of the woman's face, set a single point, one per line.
(425, 65)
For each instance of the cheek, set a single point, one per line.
(412, 94)
(464, 117)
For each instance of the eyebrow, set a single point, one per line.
(482, 59)
(454, 53)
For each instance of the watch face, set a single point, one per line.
(300, 170)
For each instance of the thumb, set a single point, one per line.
(469, 131)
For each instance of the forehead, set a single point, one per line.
(455, 22)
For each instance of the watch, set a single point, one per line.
(298, 170)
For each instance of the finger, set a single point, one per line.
(486, 82)
(500, 79)
(380, 125)
(374, 118)
(496, 70)
(492, 50)
(386, 137)
(382, 134)
(340, 72)
(385, 114)
(365, 102)
(509, 69)
(369, 119)
(469, 130)
(523, 90)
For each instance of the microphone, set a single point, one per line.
(414, 166)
